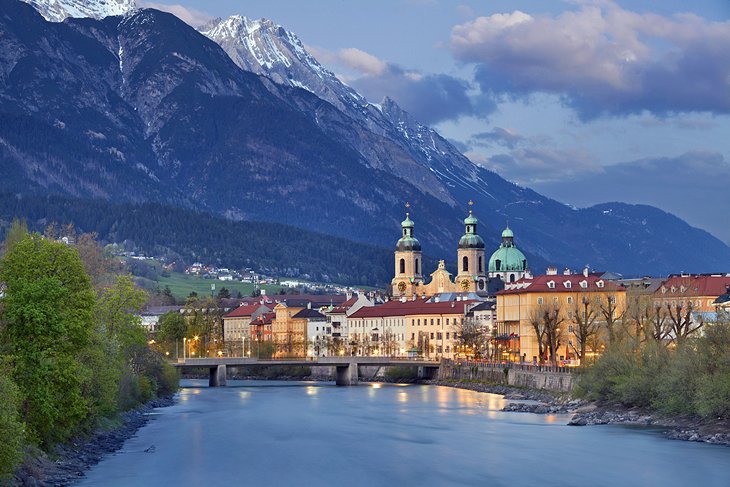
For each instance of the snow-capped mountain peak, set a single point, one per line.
(59, 10)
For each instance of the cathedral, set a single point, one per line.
(507, 263)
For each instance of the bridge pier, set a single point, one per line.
(347, 374)
(217, 376)
(427, 373)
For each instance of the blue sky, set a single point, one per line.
(585, 101)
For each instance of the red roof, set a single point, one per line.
(264, 319)
(246, 309)
(694, 286)
(560, 284)
(420, 306)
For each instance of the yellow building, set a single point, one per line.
(526, 301)
(289, 332)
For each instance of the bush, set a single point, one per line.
(12, 431)
(401, 372)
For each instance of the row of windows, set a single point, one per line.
(436, 336)
(465, 264)
(556, 300)
(402, 266)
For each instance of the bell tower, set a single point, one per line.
(408, 261)
(472, 275)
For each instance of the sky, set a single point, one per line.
(585, 101)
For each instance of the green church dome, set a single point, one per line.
(507, 257)
(408, 244)
(471, 241)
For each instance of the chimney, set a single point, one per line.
(566, 272)
(403, 299)
(309, 305)
(348, 294)
(436, 299)
(414, 297)
(528, 274)
(585, 271)
(552, 271)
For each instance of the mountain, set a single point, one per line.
(142, 107)
(59, 10)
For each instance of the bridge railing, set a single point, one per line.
(512, 365)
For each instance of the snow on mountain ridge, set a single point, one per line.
(59, 10)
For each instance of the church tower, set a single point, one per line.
(472, 275)
(408, 262)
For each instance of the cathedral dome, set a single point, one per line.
(471, 241)
(507, 257)
(408, 244)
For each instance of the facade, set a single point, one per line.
(696, 291)
(261, 327)
(289, 333)
(394, 328)
(337, 315)
(408, 280)
(236, 324)
(526, 300)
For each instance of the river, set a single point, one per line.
(284, 433)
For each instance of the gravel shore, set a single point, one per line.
(716, 432)
(70, 461)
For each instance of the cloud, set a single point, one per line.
(601, 59)
(191, 16)
(430, 98)
(693, 186)
(498, 136)
(530, 166)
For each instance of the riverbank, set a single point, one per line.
(713, 431)
(585, 413)
(68, 462)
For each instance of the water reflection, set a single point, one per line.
(269, 433)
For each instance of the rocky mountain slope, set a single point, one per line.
(59, 10)
(143, 107)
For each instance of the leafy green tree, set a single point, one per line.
(224, 293)
(172, 328)
(17, 232)
(47, 323)
(12, 430)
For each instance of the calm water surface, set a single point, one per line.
(275, 433)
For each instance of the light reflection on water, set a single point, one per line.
(283, 433)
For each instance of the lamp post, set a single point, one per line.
(184, 345)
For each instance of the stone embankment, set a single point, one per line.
(716, 432)
(69, 462)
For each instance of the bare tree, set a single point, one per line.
(612, 317)
(586, 326)
(680, 320)
(538, 325)
(470, 335)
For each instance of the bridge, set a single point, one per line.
(346, 367)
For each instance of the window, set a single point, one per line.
(570, 299)
(419, 322)
(498, 264)
(431, 335)
(551, 284)
(413, 336)
(431, 321)
(418, 271)
(481, 264)
(567, 284)
(438, 322)
(403, 266)
(539, 300)
(512, 278)
(599, 283)
(465, 264)
(447, 335)
(439, 336)
(584, 284)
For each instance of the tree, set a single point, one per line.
(12, 430)
(172, 328)
(681, 321)
(224, 293)
(47, 323)
(585, 328)
(18, 231)
(609, 309)
(538, 326)
(470, 335)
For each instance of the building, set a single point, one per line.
(319, 332)
(508, 263)
(398, 326)
(150, 317)
(408, 280)
(337, 315)
(261, 327)
(236, 323)
(525, 302)
(699, 291)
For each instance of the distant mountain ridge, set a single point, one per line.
(60, 10)
(142, 107)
